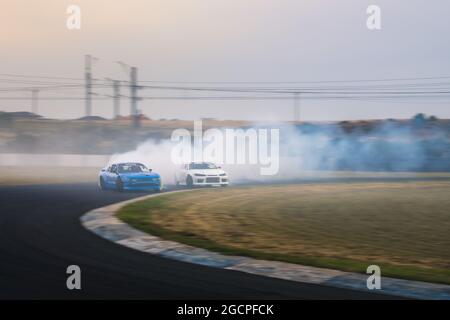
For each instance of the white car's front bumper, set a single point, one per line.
(210, 180)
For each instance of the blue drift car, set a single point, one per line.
(129, 176)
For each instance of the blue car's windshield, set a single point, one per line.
(132, 168)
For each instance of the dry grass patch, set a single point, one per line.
(402, 226)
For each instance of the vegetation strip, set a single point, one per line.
(400, 226)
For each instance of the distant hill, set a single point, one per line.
(23, 115)
(140, 117)
(92, 118)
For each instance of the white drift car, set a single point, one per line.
(201, 174)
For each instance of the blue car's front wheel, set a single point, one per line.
(119, 185)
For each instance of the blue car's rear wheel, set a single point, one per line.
(102, 184)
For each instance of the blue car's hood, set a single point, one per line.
(140, 175)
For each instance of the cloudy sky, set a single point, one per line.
(210, 41)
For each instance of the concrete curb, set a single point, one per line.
(103, 222)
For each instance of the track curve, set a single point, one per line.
(41, 235)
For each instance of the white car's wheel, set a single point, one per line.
(189, 182)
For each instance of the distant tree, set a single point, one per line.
(419, 119)
(433, 118)
(5, 120)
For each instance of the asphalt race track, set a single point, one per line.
(40, 235)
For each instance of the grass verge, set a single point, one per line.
(403, 227)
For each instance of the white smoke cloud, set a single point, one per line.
(155, 155)
(306, 151)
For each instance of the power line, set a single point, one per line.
(41, 77)
(327, 97)
(275, 90)
(290, 82)
(396, 90)
(245, 82)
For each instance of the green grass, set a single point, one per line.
(401, 226)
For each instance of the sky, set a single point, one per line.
(226, 41)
